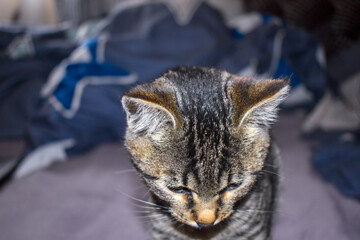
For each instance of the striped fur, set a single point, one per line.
(199, 138)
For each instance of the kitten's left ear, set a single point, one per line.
(151, 110)
(256, 102)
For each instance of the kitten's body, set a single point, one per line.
(200, 139)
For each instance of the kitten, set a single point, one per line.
(199, 138)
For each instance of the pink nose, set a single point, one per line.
(206, 217)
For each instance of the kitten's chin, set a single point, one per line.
(196, 225)
(193, 224)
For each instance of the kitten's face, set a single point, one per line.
(199, 195)
(198, 137)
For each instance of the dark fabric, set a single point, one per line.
(20, 84)
(8, 34)
(297, 53)
(135, 45)
(144, 41)
(21, 79)
(339, 164)
(343, 66)
(147, 41)
(335, 23)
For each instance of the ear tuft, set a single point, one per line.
(256, 102)
(150, 110)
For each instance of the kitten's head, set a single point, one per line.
(198, 137)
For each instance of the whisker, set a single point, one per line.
(238, 220)
(254, 210)
(125, 171)
(150, 216)
(135, 211)
(180, 225)
(257, 211)
(146, 193)
(139, 200)
(272, 173)
(147, 207)
(270, 165)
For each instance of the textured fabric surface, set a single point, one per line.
(340, 165)
(309, 208)
(335, 23)
(80, 101)
(81, 199)
(27, 55)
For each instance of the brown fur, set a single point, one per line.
(209, 163)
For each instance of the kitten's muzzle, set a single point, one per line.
(206, 217)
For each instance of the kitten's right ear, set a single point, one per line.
(150, 110)
(256, 102)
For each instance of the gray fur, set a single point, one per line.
(199, 138)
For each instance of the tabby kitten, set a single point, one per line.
(199, 137)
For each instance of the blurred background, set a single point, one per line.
(64, 65)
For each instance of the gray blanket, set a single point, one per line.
(91, 198)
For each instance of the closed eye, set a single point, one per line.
(231, 187)
(180, 190)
